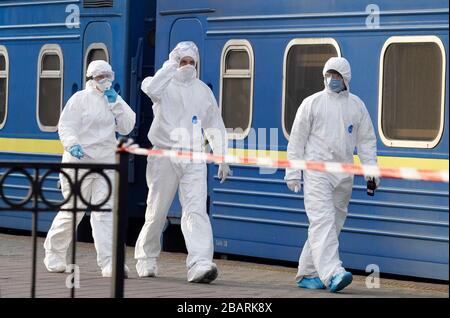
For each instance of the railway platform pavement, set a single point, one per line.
(237, 279)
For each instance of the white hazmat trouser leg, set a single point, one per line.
(326, 202)
(162, 182)
(102, 222)
(195, 222)
(59, 236)
(306, 266)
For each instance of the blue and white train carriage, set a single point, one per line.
(261, 59)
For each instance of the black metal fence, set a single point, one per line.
(36, 173)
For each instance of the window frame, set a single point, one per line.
(411, 143)
(93, 46)
(4, 53)
(46, 49)
(238, 44)
(295, 42)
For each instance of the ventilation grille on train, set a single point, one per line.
(98, 3)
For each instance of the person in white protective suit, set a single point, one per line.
(87, 129)
(327, 128)
(180, 102)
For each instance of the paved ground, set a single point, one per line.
(236, 279)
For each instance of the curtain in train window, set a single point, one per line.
(3, 86)
(412, 91)
(50, 88)
(237, 88)
(304, 66)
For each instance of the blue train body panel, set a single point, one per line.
(125, 30)
(403, 229)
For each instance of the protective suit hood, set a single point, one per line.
(100, 67)
(340, 65)
(186, 48)
(186, 74)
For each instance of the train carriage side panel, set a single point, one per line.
(404, 228)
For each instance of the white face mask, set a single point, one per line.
(104, 84)
(186, 74)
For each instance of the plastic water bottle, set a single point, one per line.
(197, 136)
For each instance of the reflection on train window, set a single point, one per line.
(412, 98)
(303, 66)
(50, 87)
(236, 97)
(3, 85)
(95, 51)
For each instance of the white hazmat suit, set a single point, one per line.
(90, 121)
(327, 128)
(178, 96)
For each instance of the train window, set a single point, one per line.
(4, 70)
(96, 54)
(50, 87)
(411, 94)
(237, 60)
(236, 96)
(95, 51)
(50, 62)
(304, 60)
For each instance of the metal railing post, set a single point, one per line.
(34, 229)
(120, 219)
(77, 192)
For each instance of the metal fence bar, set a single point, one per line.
(76, 191)
(34, 187)
(120, 219)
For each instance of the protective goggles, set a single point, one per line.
(103, 75)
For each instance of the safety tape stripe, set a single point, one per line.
(335, 167)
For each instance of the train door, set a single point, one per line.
(96, 46)
(188, 30)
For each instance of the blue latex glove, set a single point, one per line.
(76, 151)
(111, 94)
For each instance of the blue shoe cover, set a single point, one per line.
(311, 283)
(340, 281)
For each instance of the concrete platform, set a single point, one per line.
(236, 279)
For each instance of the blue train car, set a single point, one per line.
(261, 59)
(45, 47)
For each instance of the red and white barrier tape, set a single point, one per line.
(336, 167)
